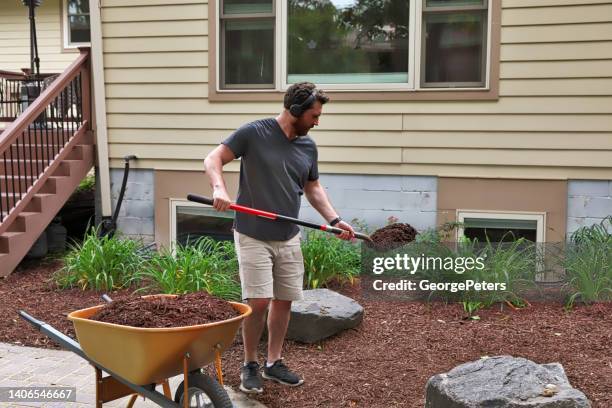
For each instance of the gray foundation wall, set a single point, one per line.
(371, 199)
(374, 198)
(588, 203)
(137, 214)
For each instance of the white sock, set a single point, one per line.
(269, 364)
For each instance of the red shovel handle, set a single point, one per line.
(235, 207)
(276, 217)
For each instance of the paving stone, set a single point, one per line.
(64, 368)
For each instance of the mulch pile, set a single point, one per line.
(184, 310)
(392, 236)
(384, 362)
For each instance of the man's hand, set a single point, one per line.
(348, 233)
(213, 164)
(221, 200)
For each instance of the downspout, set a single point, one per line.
(99, 102)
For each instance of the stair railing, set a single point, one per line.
(10, 91)
(11, 86)
(36, 142)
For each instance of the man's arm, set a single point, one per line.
(213, 164)
(317, 197)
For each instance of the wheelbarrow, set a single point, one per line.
(138, 359)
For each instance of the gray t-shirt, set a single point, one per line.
(273, 173)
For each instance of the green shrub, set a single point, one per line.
(588, 264)
(328, 258)
(87, 184)
(207, 265)
(513, 264)
(97, 263)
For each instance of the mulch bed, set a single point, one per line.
(184, 310)
(386, 361)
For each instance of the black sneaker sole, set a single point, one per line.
(264, 375)
(250, 390)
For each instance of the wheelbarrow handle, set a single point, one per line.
(276, 217)
(50, 331)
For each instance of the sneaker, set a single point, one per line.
(280, 373)
(250, 379)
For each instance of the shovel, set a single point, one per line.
(277, 217)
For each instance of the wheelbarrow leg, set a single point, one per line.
(132, 400)
(167, 391)
(98, 387)
(185, 382)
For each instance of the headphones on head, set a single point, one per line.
(297, 110)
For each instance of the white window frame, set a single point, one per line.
(419, 49)
(174, 204)
(414, 55)
(539, 217)
(66, 29)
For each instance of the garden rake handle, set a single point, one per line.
(276, 217)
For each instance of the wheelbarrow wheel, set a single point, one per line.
(204, 392)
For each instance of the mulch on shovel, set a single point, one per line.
(184, 310)
(392, 236)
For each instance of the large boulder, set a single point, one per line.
(503, 382)
(321, 314)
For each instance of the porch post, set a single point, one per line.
(99, 99)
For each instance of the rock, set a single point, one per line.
(39, 249)
(56, 236)
(321, 314)
(503, 382)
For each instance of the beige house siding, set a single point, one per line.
(15, 37)
(506, 195)
(552, 119)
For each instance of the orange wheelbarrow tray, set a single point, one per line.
(140, 358)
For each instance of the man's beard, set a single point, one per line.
(302, 130)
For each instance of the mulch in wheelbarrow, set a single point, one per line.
(184, 310)
(392, 236)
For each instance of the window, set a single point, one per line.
(353, 44)
(454, 38)
(501, 227)
(348, 42)
(509, 226)
(247, 43)
(76, 23)
(190, 221)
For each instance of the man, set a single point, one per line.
(278, 165)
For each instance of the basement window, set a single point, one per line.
(501, 226)
(191, 221)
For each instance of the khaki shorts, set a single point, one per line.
(270, 269)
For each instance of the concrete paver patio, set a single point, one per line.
(30, 366)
